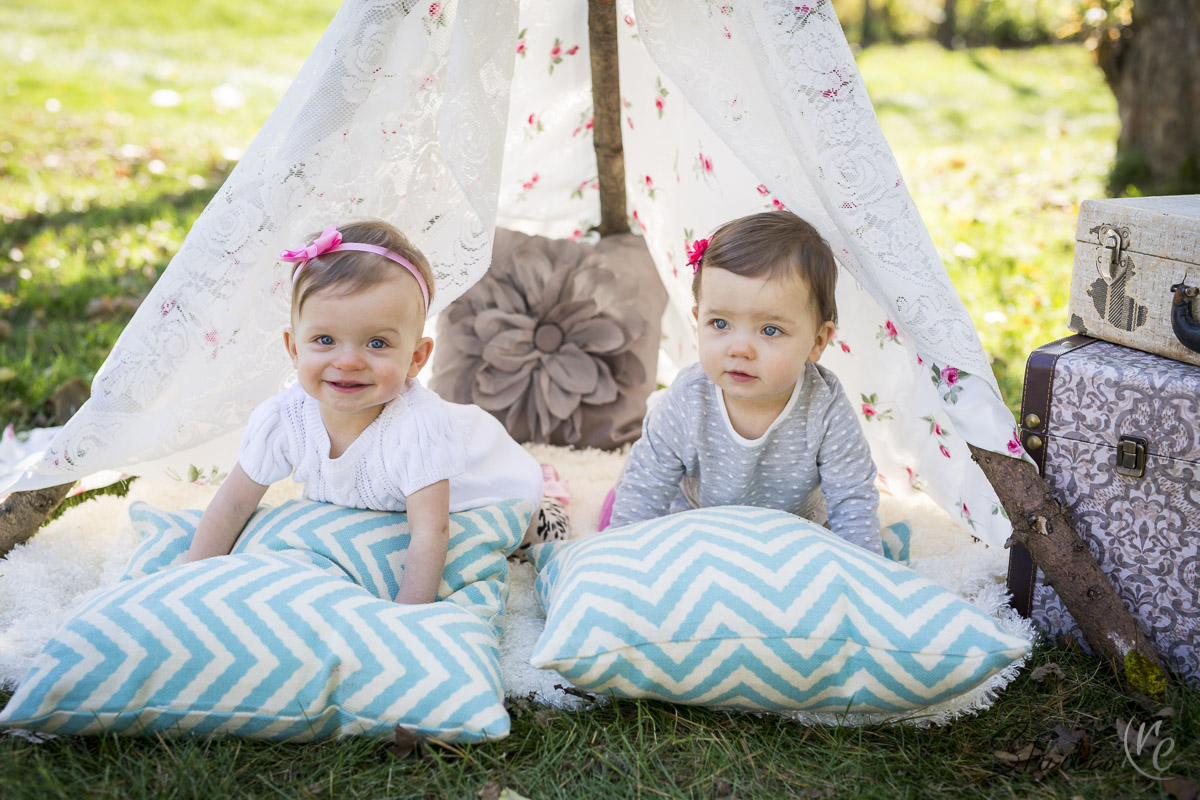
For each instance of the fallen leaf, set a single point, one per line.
(1140, 737)
(1045, 670)
(1166, 712)
(723, 790)
(544, 715)
(1024, 758)
(1181, 788)
(509, 794)
(490, 791)
(406, 744)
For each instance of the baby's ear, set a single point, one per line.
(821, 340)
(421, 354)
(289, 344)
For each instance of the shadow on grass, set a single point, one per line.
(1018, 88)
(148, 208)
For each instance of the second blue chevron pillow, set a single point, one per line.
(757, 609)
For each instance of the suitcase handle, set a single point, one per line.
(1187, 329)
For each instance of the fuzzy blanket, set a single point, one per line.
(43, 581)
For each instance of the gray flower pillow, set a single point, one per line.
(559, 340)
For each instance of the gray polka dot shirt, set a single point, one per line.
(813, 461)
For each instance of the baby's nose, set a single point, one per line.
(742, 347)
(347, 358)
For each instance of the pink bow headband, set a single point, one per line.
(330, 241)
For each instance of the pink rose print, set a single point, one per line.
(435, 9)
(775, 201)
(521, 46)
(945, 452)
(871, 409)
(966, 511)
(660, 99)
(845, 347)
(912, 476)
(167, 307)
(529, 184)
(891, 329)
(1014, 445)
(576, 235)
(638, 220)
(947, 380)
(629, 20)
(762, 189)
(556, 53)
(706, 163)
(658, 104)
(211, 337)
(887, 333)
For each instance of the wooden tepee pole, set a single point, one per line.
(606, 111)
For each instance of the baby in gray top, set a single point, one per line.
(757, 422)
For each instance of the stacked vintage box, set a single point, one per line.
(1112, 417)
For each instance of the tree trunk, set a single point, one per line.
(946, 28)
(606, 111)
(1040, 523)
(1153, 68)
(866, 33)
(22, 513)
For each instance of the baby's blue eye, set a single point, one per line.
(720, 324)
(325, 340)
(770, 330)
(377, 344)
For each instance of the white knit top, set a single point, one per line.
(417, 440)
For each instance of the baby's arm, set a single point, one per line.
(650, 480)
(226, 515)
(848, 476)
(429, 524)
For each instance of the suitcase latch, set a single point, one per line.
(1131, 456)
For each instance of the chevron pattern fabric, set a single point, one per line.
(366, 547)
(757, 609)
(263, 646)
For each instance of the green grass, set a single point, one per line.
(650, 750)
(98, 188)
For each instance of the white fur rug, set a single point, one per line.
(43, 581)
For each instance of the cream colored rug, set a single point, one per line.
(43, 581)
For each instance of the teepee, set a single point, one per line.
(450, 118)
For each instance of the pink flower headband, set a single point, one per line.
(696, 253)
(330, 241)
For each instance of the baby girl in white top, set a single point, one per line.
(358, 429)
(757, 422)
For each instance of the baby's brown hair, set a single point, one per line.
(354, 270)
(775, 244)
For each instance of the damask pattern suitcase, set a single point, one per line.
(1116, 433)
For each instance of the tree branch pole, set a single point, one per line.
(606, 113)
(1041, 524)
(22, 513)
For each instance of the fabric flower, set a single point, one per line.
(549, 330)
(696, 254)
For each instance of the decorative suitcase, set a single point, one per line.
(1116, 433)
(1137, 274)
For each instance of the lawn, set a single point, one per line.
(121, 120)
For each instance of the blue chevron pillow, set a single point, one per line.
(367, 547)
(264, 646)
(757, 609)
